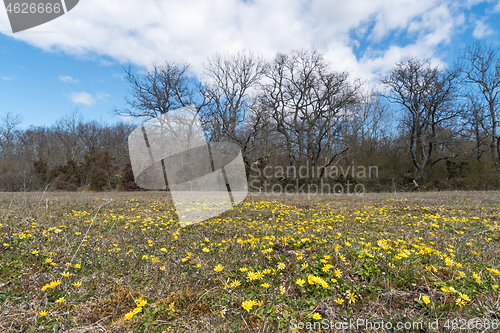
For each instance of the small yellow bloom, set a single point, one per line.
(300, 282)
(171, 306)
(77, 284)
(282, 290)
(281, 266)
(339, 301)
(304, 266)
(78, 266)
(426, 299)
(205, 249)
(66, 274)
(140, 302)
(338, 272)
(265, 285)
(316, 316)
(129, 315)
(243, 269)
(222, 313)
(247, 305)
(61, 300)
(35, 252)
(43, 313)
(235, 283)
(218, 268)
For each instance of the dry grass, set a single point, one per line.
(385, 252)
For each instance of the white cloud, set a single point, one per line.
(82, 98)
(101, 96)
(67, 79)
(497, 7)
(145, 31)
(7, 78)
(481, 30)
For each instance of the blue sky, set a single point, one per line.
(75, 60)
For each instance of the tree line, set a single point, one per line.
(423, 127)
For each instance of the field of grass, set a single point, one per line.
(120, 262)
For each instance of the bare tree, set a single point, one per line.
(476, 127)
(481, 66)
(229, 91)
(8, 126)
(426, 95)
(161, 89)
(308, 104)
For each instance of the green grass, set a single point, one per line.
(386, 253)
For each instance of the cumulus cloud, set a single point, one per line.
(7, 78)
(82, 98)
(67, 79)
(145, 31)
(102, 96)
(481, 30)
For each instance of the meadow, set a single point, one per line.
(120, 262)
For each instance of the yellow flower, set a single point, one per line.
(129, 315)
(243, 269)
(235, 283)
(137, 310)
(171, 306)
(465, 297)
(496, 286)
(327, 267)
(77, 284)
(205, 249)
(300, 282)
(338, 272)
(61, 300)
(352, 298)
(316, 316)
(282, 290)
(339, 301)
(163, 249)
(448, 290)
(218, 268)
(66, 274)
(35, 252)
(304, 266)
(426, 299)
(247, 305)
(222, 313)
(140, 302)
(265, 285)
(281, 266)
(43, 313)
(78, 266)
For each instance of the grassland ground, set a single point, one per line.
(120, 262)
